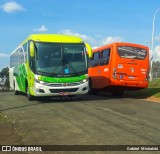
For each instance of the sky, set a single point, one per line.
(97, 22)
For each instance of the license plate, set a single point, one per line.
(131, 77)
(64, 93)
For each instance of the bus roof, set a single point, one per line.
(120, 44)
(57, 38)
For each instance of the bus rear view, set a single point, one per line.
(127, 68)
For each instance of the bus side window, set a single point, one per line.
(95, 60)
(25, 51)
(105, 57)
(21, 58)
(17, 57)
(11, 61)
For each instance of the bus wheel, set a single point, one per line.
(30, 97)
(94, 91)
(117, 92)
(91, 90)
(15, 91)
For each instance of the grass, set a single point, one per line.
(155, 86)
(155, 83)
(152, 90)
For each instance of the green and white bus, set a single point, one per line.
(50, 65)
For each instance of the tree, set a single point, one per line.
(156, 69)
(5, 73)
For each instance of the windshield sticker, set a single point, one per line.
(66, 71)
(106, 70)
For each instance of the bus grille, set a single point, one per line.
(63, 84)
(63, 90)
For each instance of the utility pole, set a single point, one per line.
(154, 17)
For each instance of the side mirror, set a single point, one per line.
(89, 50)
(32, 49)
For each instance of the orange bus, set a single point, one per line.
(118, 67)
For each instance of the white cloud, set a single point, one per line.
(156, 53)
(95, 41)
(2, 55)
(70, 32)
(11, 7)
(41, 29)
(111, 39)
(94, 47)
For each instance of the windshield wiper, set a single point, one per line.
(43, 72)
(55, 69)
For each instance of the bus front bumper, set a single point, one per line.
(43, 90)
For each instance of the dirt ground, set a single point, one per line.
(8, 129)
(154, 99)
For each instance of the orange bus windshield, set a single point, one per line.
(132, 52)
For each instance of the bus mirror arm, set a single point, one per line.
(32, 49)
(89, 50)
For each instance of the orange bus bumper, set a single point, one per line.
(137, 84)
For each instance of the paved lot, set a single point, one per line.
(87, 119)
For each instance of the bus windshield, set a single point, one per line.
(132, 52)
(56, 59)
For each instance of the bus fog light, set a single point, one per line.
(40, 90)
(85, 88)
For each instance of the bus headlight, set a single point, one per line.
(38, 81)
(84, 80)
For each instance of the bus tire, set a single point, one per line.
(91, 90)
(117, 92)
(29, 96)
(15, 91)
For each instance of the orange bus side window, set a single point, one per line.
(95, 60)
(105, 57)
